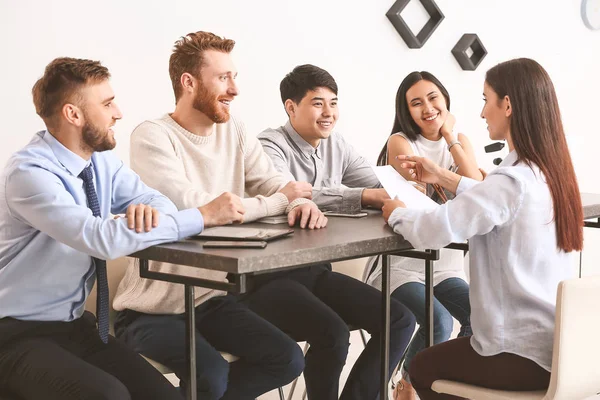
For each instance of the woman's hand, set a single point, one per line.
(389, 206)
(421, 169)
(448, 127)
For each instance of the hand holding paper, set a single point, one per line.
(389, 206)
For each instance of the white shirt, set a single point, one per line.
(404, 270)
(515, 264)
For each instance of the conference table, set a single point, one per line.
(342, 239)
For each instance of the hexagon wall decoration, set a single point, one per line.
(466, 42)
(415, 41)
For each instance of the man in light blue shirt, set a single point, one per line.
(56, 197)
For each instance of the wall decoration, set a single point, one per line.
(415, 42)
(590, 13)
(466, 42)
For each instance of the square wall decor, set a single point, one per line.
(466, 42)
(415, 41)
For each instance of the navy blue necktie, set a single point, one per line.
(101, 279)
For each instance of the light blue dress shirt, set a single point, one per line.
(48, 234)
(515, 263)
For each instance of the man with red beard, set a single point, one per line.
(193, 155)
(56, 231)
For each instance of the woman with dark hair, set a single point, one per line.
(522, 222)
(423, 126)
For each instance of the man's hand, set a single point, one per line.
(310, 216)
(389, 206)
(421, 169)
(141, 216)
(295, 190)
(374, 198)
(225, 209)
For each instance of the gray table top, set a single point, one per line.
(591, 205)
(342, 239)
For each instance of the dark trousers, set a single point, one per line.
(456, 360)
(451, 300)
(267, 357)
(68, 361)
(317, 305)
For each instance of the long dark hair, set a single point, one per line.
(538, 136)
(403, 121)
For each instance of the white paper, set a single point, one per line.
(396, 186)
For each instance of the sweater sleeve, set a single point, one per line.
(262, 181)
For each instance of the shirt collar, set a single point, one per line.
(71, 161)
(510, 159)
(305, 147)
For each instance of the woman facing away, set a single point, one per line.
(522, 222)
(423, 126)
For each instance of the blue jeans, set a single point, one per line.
(451, 299)
(268, 358)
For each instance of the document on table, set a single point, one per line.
(396, 186)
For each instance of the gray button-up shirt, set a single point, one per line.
(332, 164)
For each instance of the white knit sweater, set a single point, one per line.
(192, 170)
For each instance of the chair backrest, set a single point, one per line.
(115, 270)
(576, 353)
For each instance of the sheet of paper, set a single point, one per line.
(396, 186)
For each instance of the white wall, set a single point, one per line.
(350, 38)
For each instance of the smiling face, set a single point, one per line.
(315, 116)
(427, 107)
(100, 114)
(217, 87)
(496, 112)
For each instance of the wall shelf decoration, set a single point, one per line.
(466, 42)
(415, 41)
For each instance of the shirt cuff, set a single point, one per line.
(189, 222)
(465, 184)
(395, 216)
(352, 200)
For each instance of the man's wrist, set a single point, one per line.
(365, 198)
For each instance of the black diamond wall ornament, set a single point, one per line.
(466, 42)
(415, 41)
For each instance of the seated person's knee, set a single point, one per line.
(443, 324)
(212, 382)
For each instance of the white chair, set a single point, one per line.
(575, 373)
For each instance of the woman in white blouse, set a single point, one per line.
(424, 126)
(522, 222)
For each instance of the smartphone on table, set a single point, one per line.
(232, 244)
(338, 214)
